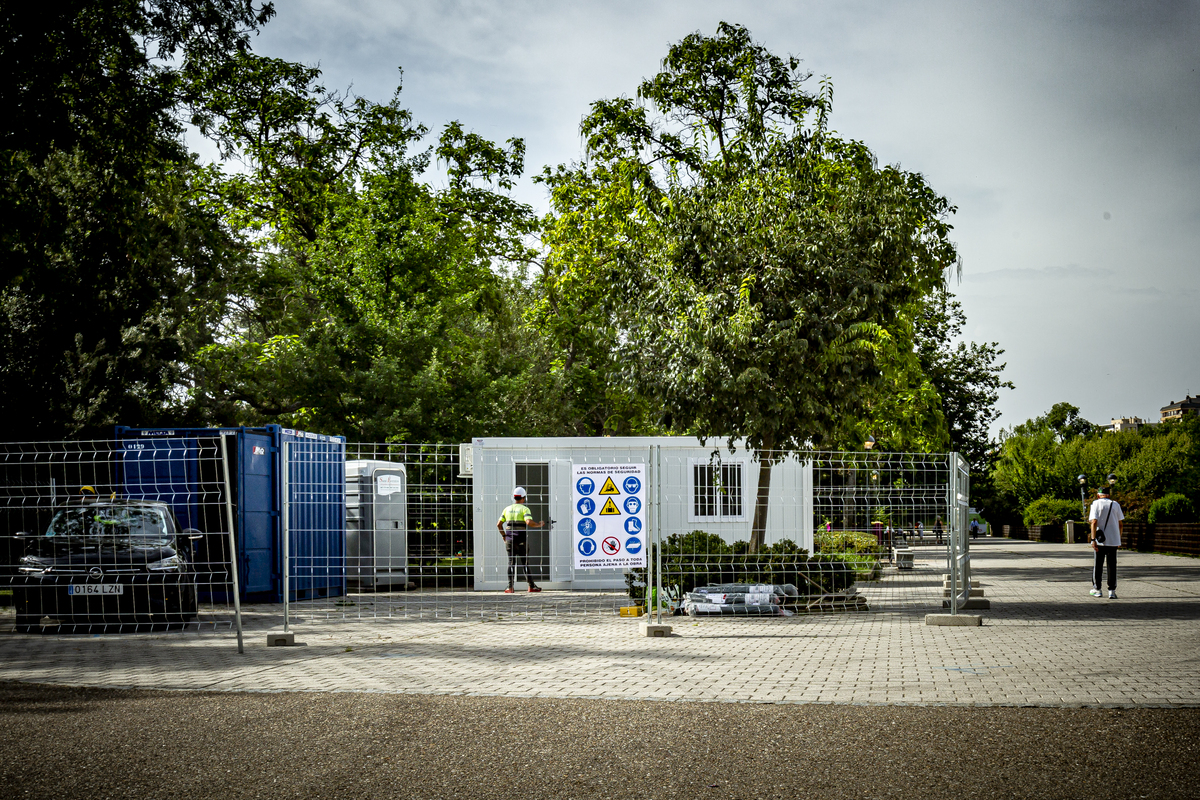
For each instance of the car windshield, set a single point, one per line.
(120, 522)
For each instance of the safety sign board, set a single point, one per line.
(610, 515)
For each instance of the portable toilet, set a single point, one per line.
(182, 467)
(376, 525)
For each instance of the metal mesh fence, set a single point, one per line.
(726, 532)
(330, 530)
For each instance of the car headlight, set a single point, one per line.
(30, 566)
(171, 564)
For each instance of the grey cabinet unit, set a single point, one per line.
(376, 525)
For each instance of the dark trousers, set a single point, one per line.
(1109, 554)
(518, 553)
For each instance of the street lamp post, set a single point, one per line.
(1082, 499)
(873, 497)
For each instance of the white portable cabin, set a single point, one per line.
(680, 471)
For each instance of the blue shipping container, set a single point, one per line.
(181, 467)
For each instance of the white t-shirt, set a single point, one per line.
(1112, 531)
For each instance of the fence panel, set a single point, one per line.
(128, 536)
(819, 530)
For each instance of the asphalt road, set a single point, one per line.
(63, 742)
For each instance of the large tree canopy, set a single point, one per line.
(754, 263)
(111, 267)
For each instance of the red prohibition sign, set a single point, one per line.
(611, 546)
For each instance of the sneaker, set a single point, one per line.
(1094, 593)
(1112, 595)
(509, 590)
(535, 588)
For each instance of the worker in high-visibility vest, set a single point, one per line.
(513, 524)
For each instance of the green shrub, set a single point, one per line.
(845, 542)
(701, 559)
(1172, 508)
(1051, 511)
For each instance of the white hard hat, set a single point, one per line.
(519, 491)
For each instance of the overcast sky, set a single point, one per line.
(1067, 134)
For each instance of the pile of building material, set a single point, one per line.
(747, 599)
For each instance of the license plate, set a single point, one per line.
(96, 588)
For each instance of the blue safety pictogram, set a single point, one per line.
(632, 505)
(633, 545)
(633, 525)
(585, 486)
(587, 547)
(632, 485)
(587, 526)
(586, 506)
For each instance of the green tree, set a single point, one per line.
(965, 375)
(377, 305)
(1062, 419)
(757, 259)
(112, 267)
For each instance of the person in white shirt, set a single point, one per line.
(1106, 519)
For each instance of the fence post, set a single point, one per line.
(233, 553)
(285, 529)
(658, 530)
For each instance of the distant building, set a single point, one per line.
(1188, 405)
(1126, 424)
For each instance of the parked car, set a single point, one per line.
(108, 565)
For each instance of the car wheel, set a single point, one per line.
(189, 603)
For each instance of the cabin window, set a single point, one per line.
(718, 491)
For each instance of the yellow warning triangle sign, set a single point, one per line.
(610, 508)
(609, 487)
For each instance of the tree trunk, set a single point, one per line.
(758, 530)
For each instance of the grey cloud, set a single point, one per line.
(1072, 272)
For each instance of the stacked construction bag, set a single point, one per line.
(747, 599)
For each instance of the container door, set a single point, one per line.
(317, 521)
(561, 539)
(535, 477)
(391, 526)
(256, 507)
(359, 541)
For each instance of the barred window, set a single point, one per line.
(718, 491)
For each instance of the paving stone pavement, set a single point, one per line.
(1044, 642)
